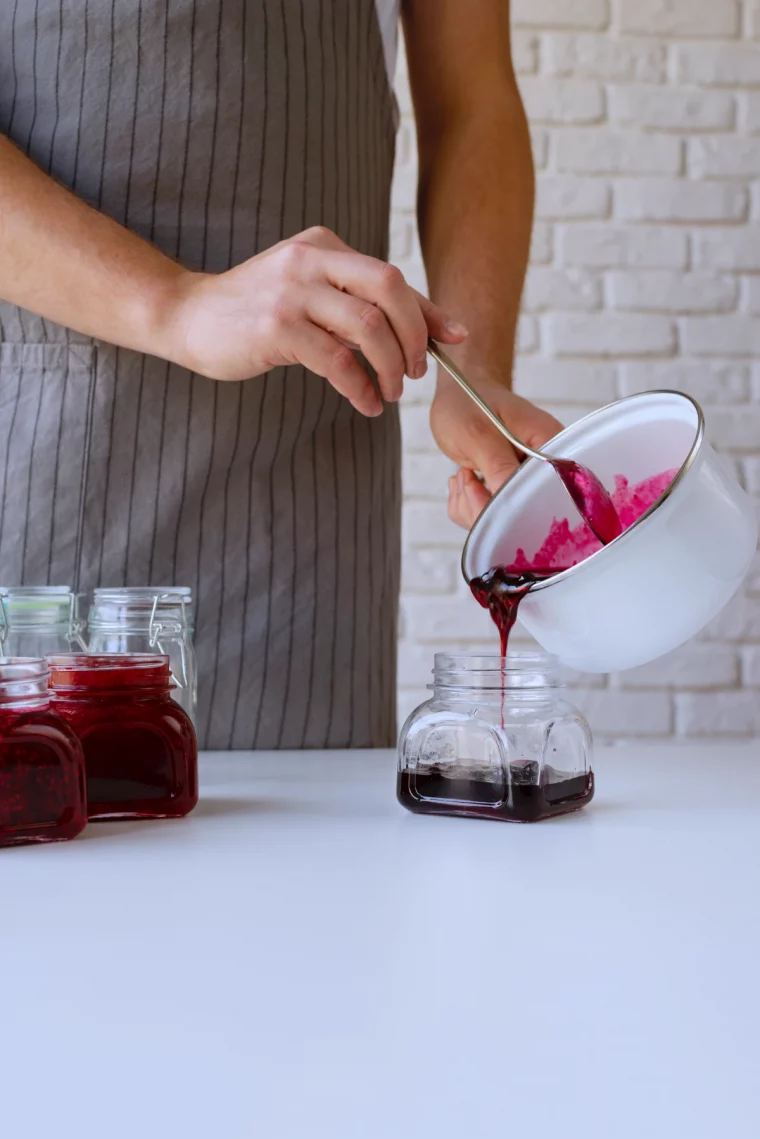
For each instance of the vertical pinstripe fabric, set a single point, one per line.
(214, 128)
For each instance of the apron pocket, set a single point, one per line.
(45, 395)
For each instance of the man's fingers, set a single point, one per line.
(384, 286)
(440, 326)
(467, 498)
(323, 354)
(364, 325)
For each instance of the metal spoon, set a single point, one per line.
(589, 495)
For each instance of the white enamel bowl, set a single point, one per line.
(663, 579)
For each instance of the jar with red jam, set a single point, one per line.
(42, 773)
(140, 750)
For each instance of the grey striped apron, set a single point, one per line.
(214, 128)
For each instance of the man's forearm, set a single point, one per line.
(67, 262)
(475, 217)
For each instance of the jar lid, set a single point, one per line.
(72, 672)
(31, 605)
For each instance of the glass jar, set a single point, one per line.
(139, 745)
(37, 620)
(42, 776)
(496, 741)
(149, 619)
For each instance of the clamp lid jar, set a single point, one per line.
(149, 619)
(39, 619)
(495, 741)
(139, 745)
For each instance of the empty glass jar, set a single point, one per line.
(37, 620)
(149, 619)
(496, 741)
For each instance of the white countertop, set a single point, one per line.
(301, 958)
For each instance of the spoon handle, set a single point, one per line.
(446, 362)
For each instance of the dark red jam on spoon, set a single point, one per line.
(594, 504)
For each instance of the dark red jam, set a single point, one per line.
(526, 798)
(140, 750)
(42, 776)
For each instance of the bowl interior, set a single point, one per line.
(638, 437)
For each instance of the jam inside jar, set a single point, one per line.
(140, 750)
(495, 741)
(42, 775)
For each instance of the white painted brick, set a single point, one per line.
(560, 101)
(724, 157)
(450, 621)
(719, 65)
(749, 111)
(611, 335)
(751, 667)
(569, 380)
(404, 188)
(560, 13)
(429, 571)
(524, 52)
(615, 713)
(734, 428)
(722, 336)
(559, 198)
(665, 291)
(427, 525)
(752, 18)
(415, 666)
(692, 666)
(689, 18)
(717, 714)
(540, 144)
(662, 108)
(570, 290)
(602, 57)
(402, 229)
(426, 475)
(542, 244)
(677, 199)
(415, 428)
(408, 701)
(612, 247)
(751, 294)
(706, 381)
(528, 334)
(601, 151)
(737, 249)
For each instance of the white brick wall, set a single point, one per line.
(645, 273)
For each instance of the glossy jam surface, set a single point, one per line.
(523, 800)
(594, 504)
(42, 778)
(140, 749)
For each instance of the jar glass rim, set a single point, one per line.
(100, 662)
(14, 669)
(143, 593)
(517, 661)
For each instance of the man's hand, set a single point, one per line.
(465, 435)
(309, 300)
